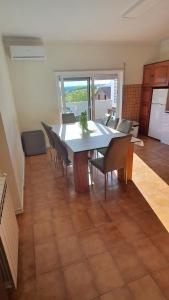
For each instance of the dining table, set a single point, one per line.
(79, 143)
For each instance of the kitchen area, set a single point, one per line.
(154, 107)
(159, 115)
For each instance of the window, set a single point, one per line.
(97, 92)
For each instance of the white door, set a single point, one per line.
(155, 123)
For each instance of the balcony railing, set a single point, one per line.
(101, 107)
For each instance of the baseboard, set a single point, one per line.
(20, 209)
(23, 182)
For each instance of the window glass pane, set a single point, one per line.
(77, 96)
(105, 96)
(75, 91)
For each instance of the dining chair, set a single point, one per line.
(68, 118)
(114, 158)
(113, 122)
(124, 126)
(53, 153)
(62, 152)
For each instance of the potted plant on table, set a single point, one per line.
(83, 121)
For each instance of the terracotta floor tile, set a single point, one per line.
(122, 293)
(63, 226)
(69, 250)
(161, 241)
(149, 223)
(146, 289)
(25, 219)
(26, 266)
(77, 224)
(98, 215)
(117, 217)
(46, 257)
(162, 279)
(59, 210)
(51, 286)
(130, 230)
(42, 231)
(81, 221)
(112, 208)
(12, 295)
(41, 215)
(79, 282)
(111, 235)
(27, 291)
(54, 195)
(150, 256)
(92, 243)
(39, 199)
(129, 264)
(77, 206)
(26, 235)
(132, 208)
(106, 273)
(41, 205)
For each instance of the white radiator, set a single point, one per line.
(8, 239)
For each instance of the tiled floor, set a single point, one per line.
(81, 247)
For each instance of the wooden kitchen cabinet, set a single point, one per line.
(145, 109)
(161, 75)
(148, 74)
(156, 74)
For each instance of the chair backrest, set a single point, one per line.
(125, 126)
(61, 148)
(48, 130)
(113, 122)
(68, 118)
(116, 153)
(107, 120)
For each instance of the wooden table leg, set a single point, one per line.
(80, 169)
(126, 173)
(129, 162)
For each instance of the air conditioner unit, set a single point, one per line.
(27, 52)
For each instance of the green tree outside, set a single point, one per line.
(77, 95)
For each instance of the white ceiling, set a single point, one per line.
(84, 20)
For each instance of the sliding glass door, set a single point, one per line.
(97, 93)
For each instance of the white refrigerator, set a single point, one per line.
(158, 106)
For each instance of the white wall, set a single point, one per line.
(164, 50)
(11, 158)
(34, 82)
